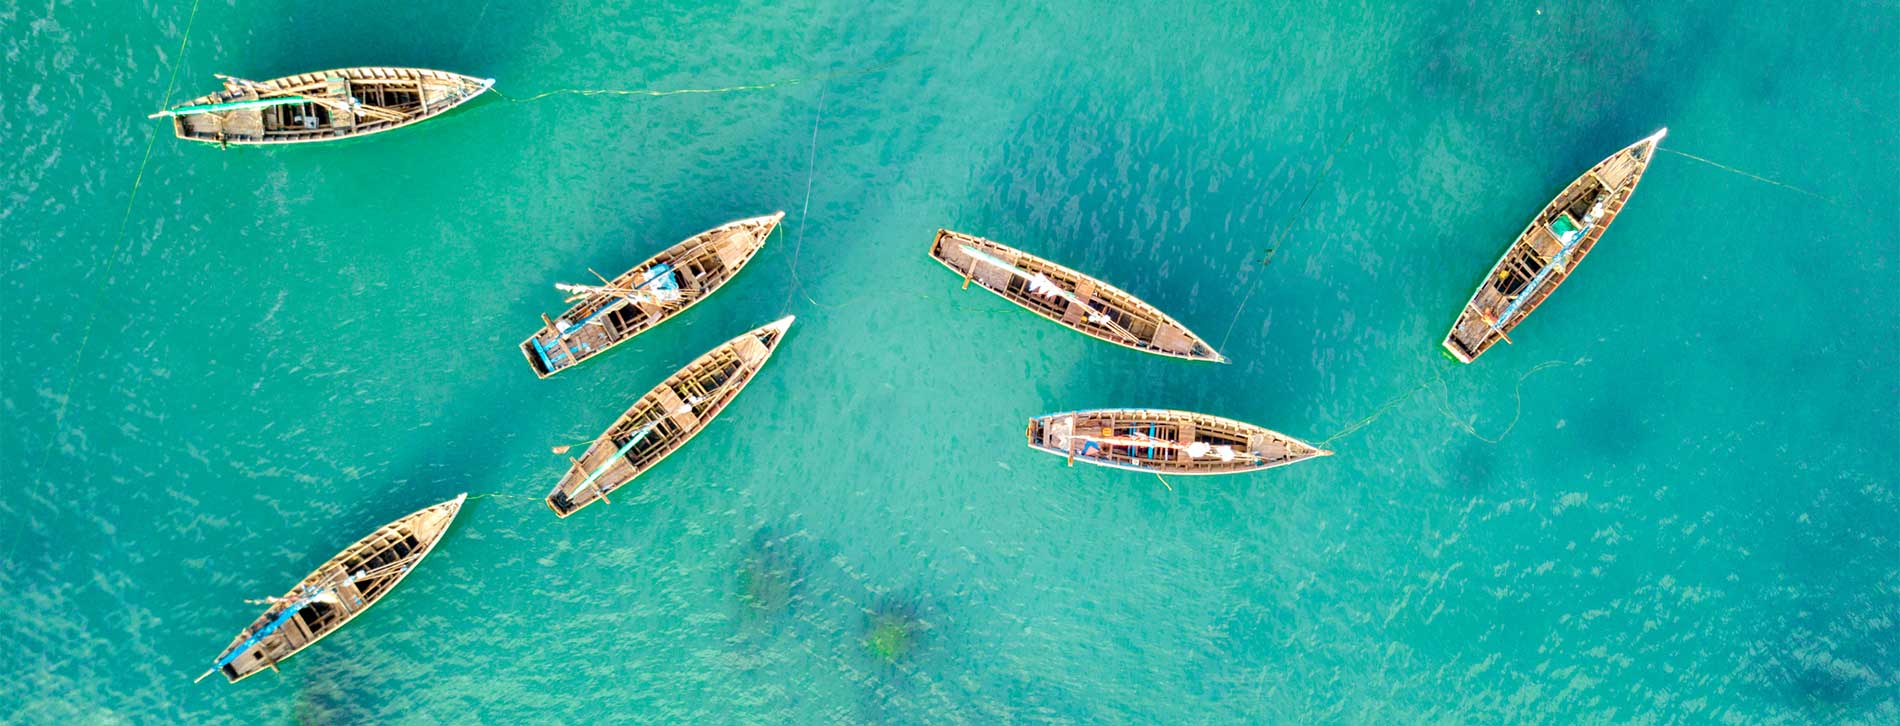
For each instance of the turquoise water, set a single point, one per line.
(1673, 500)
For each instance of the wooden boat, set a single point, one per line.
(1549, 250)
(1165, 442)
(321, 106)
(651, 293)
(1077, 301)
(356, 578)
(665, 419)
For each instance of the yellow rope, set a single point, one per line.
(1367, 421)
(118, 242)
(684, 91)
(811, 170)
(1517, 394)
(1756, 177)
(1273, 245)
(502, 495)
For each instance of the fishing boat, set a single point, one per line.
(1076, 301)
(1165, 442)
(321, 106)
(1548, 251)
(665, 419)
(335, 593)
(651, 293)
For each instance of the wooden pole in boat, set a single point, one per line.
(206, 673)
(603, 278)
(1493, 324)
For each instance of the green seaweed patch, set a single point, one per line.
(768, 576)
(891, 636)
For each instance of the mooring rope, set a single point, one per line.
(804, 212)
(1517, 405)
(118, 243)
(1756, 177)
(1424, 384)
(1394, 402)
(502, 495)
(1273, 245)
(479, 15)
(685, 91)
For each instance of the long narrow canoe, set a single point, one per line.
(1165, 442)
(651, 293)
(1549, 250)
(665, 418)
(1076, 301)
(322, 106)
(338, 591)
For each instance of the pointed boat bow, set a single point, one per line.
(665, 418)
(1548, 251)
(1071, 299)
(336, 592)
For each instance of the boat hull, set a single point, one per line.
(701, 264)
(1161, 441)
(1107, 312)
(410, 95)
(1539, 259)
(665, 419)
(382, 550)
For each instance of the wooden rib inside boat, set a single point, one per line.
(651, 293)
(322, 106)
(1076, 301)
(665, 419)
(356, 578)
(1548, 250)
(1165, 442)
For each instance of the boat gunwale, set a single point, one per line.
(771, 227)
(485, 85)
(457, 503)
(1145, 305)
(1318, 451)
(1655, 141)
(784, 324)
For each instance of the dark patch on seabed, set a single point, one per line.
(1847, 670)
(1474, 467)
(1146, 204)
(770, 573)
(329, 692)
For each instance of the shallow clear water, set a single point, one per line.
(1673, 500)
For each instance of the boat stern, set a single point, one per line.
(1455, 351)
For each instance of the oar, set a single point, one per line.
(1088, 312)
